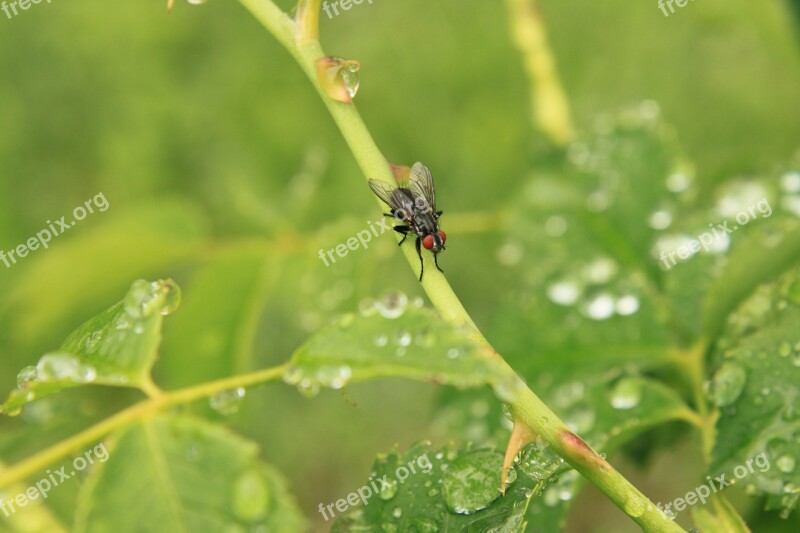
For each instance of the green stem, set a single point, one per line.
(527, 407)
(144, 409)
(549, 103)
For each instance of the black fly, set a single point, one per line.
(415, 207)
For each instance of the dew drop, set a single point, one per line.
(392, 304)
(381, 340)
(26, 376)
(397, 512)
(61, 366)
(350, 77)
(659, 220)
(555, 226)
(388, 492)
(509, 254)
(563, 293)
(308, 387)
(599, 307)
(93, 340)
(627, 394)
(790, 182)
(472, 482)
(403, 338)
(678, 182)
(251, 497)
(227, 402)
(626, 305)
(786, 463)
(727, 384)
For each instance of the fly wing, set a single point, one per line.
(396, 198)
(420, 182)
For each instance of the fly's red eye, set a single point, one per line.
(427, 242)
(443, 236)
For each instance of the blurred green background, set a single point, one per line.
(224, 171)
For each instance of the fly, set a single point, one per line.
(414, 207)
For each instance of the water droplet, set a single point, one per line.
(453, 353)
(251, 497)
(600, 270)
(599, 307)
(171, 295)
(660, 219)
(392, 304)
(568, 394)
(388, 492)
(472, 482)
(597, 201)
(227, 402)
(61, 366)
(425, 339)
(627, 394)
(381, 340)
(397, 512)
(511, 476)
(26, 376)
(555, 226)
(308, 387)
(563, 293)
(403, 338)
(790, 182)
(509, 254)
(335, 377)
(678, 182)
(727, 384)
(626, 305)
(92, 341)
(292, 375)
(786, 463)
(350, 77)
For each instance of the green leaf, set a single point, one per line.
(389, 339)
(213, 335)
(78, 271)
(447, 490)
(117, 347)
(33, 519)
(723, 518)
(186, 475)
(754, 383)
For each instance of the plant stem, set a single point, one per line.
(527, 407)
(548, 102)
(143, 409)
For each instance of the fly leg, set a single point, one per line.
(421, 264)
(436, 262)
(404, 230)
